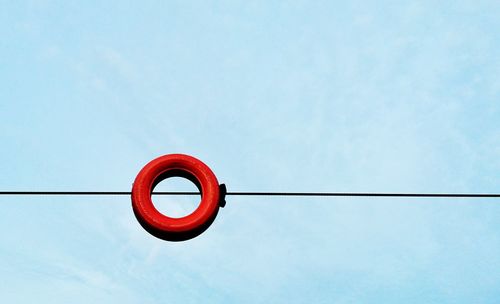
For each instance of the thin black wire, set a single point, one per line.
(319, 194)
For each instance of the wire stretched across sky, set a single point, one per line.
(246, 193)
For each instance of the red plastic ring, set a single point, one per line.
(168, 228)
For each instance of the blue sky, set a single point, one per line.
(274, 96)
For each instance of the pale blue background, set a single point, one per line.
(274, 96)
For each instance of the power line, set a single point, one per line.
(365, 194)
(316, 194)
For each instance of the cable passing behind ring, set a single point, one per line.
(189, 226)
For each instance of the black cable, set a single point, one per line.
(364, 194)
(319, 194)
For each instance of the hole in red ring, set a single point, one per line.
(176, 206)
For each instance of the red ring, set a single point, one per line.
(168, 228)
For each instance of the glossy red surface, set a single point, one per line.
(163, 226)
